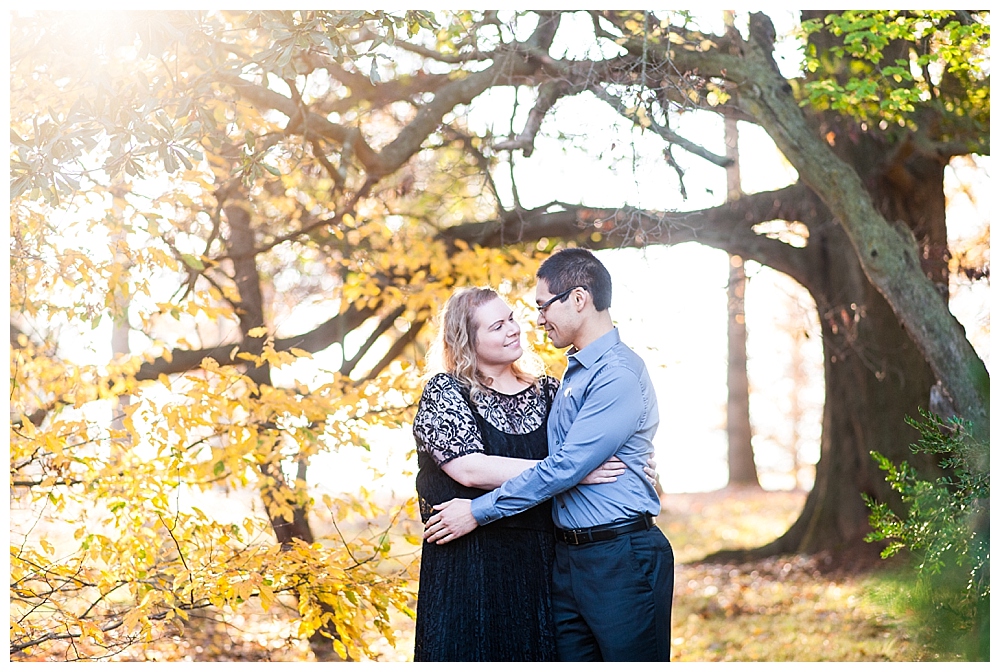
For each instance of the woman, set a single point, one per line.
(486, 596)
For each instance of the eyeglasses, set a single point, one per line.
(561, 296)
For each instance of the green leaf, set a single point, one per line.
(164, 120)
(192, 261)
(19, 186)
(187, 162)
(170, 163)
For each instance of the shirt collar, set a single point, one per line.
(596, 350)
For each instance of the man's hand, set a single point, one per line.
(452, 520)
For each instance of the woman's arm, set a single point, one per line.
(478, 470)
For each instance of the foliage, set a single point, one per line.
(946, 527)
(126, 151)
(165, 108)
(894, 64)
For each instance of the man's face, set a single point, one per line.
(555, 314)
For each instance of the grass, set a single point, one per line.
(796, 608)
(782, 609)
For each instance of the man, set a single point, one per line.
(614, 570)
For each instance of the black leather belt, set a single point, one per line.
(587, 535)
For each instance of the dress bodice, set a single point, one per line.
(449, 424)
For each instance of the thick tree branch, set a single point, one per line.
(330, 332)
(727, 227)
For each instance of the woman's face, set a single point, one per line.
(498, 335)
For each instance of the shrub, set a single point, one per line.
(945, 528)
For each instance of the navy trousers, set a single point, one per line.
(611, 599)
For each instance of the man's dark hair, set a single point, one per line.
(577, 267)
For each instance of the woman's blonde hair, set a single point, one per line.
(456, 341)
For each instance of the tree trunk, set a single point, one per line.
(742, 469)
(275, 490)
(869, 391)
(739, 432)
(876, 376)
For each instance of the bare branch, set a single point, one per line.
(461, 57)
(396, 350)
(660, 130)
(548, 94)
(323, 336)
(361, 87)
(348, 366)
(317, 224)
(268, 99)
(481, 160)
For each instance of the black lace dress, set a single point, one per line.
(485, 596)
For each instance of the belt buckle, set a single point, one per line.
(576, 539)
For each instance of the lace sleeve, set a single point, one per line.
(444, 427)
(550, 386)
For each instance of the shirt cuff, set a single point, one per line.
(484, 509)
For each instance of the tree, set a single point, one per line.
(742, 468)
(278, 160)
(886, 341)
(154, 106)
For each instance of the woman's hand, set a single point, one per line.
(650, 470)
(606, 473)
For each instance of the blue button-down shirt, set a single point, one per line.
(604, 407)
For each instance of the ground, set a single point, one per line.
(796, 608)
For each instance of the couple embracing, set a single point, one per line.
(539, 541)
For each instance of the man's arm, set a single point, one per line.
(454, 518)
(609, 415)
